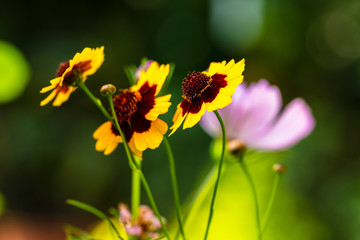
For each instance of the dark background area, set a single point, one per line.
(310, 49)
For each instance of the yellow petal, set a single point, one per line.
(50, 97)
(111, 146)
(54, 84)
(151, 138)
(154, 75)
(63, 96)
(134, 149)
(221, 100)
(107, 141)
(177, 119)
(95, 55)
(193, 118)
(161, 106)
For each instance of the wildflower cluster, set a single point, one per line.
(244, 117)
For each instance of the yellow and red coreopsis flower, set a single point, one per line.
(77, 69)
(137, 110)
(208, 90)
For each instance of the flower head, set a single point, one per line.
(254, 118)
(137, 110)
(77, 69)
(146, 226)
(209, 90)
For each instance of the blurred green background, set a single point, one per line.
(310, 49)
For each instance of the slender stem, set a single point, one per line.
(152, 202)
(174, 185)
(271, 202)
(135, 192)
(137, 167)
(253, 191)
(132, 162)
(211, 212)
(97, 102)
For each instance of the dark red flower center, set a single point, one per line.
(195, 84)
(125, 105)
(75, 74)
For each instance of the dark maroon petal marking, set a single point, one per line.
(218, 82)
(62, 68)
(191, 107)
(195, 105)
(139, 123)
(185, 105)
(125, 128)
(147, 98)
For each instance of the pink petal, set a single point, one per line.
(259, 107)
(294, 124)
(210, 123)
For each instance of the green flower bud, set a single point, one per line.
(108, 90)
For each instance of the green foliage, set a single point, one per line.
(234, 216)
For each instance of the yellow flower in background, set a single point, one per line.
(77, 69)
(137, 110)
(209, 90)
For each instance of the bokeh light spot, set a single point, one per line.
(14, 72)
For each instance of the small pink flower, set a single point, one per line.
(255, 119)
(147, 225)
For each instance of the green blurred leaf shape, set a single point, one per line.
(107, 229)
(14, 72)
(234, 217)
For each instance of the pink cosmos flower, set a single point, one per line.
(255, 118)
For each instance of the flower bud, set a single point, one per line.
(108, 90)
(236, 147)
(279, 168)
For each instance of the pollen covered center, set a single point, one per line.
(195, 84)
(125, 104)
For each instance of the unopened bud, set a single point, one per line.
(279, 168)
(236, 147)
(108, 90)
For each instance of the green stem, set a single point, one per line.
(211, 212)
(271, 202)
(253, 191)
(135, 192)
(174, 185)
(95, 100)
(152, 202)
(137, 167)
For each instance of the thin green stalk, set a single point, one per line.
(253, 191)
(211, 212)
(174, 186)
(152, 202)
(271, 202)
(136, 167)
(97, 102)
(135, 192)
